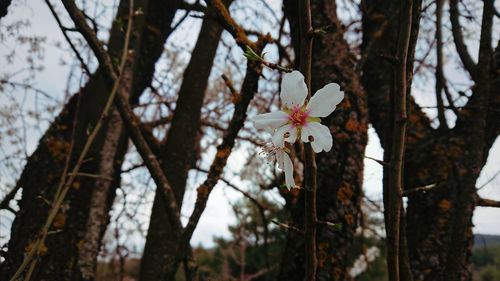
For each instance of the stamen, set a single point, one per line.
(311, 138)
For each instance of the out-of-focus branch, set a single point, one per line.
(439, 66)
(485, 48)
(458, 38)
(64, 32)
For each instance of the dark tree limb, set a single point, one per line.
(130, 120)
(484, 202)
(458, 38)
(440, 81)
(310, 168)
(249, 87)
(393, 175)
(70, 43)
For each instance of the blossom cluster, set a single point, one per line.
(298, 119)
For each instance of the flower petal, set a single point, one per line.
(323, 103)
(286, 133)
(271, 120)
(285, 163)
(321, 136)
(293, 89)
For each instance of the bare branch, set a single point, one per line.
(483, 202)
(64, 30)
(130, 120)
(458, 38)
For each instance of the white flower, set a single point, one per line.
(299, 120)
(280, 154)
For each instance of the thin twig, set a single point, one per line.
(422, 189)
(376, 160)
(71, 45)
(287, 226)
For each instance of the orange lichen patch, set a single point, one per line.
(349, 219)
(346, 104)
(58, 148)
(462, 171)
(353, 125)
(59, 221)
(341, 136)
(423, 174)
(153, 29)
(455, 150)
(322, 254)
(223, 153)
(80, 244)
(443, 170)
(294, 195)
(42, 250)
(240, 36)
(336, 273)
(29, 247)
(202, 191)
(76, 185)
(236, 98)
(444, 204)
(344, 194)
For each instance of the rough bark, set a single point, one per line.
(340, 171)
(439, 226)
(179, 148)
(71, 254)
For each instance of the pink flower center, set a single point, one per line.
(298, 116)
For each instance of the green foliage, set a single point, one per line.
(485, 261)
(254, 248)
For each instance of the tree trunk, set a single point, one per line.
(71, 253)
(439, 222)
(180, 146)
(340, 171)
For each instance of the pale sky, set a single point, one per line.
(218, 214)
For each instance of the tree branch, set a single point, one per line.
(439, 65)
(310, 168)
(396, 140)
(130, 120)
(71, 45)
(458, 38)
(249, 88)
(483, 202)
